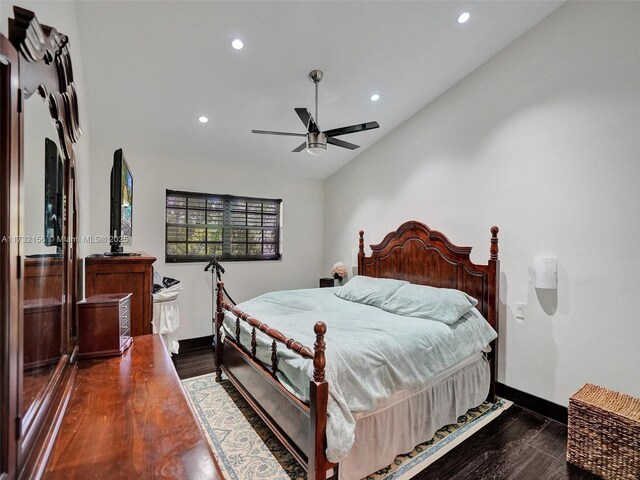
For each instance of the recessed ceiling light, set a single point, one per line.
(464, 17)
(203, 119)
(375, 97)
(237, 43)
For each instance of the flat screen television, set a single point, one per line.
(121, 225)
(53, 195)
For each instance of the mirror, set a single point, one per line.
(42, 247)
(40, 267)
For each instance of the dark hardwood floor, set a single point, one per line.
(193, 362)
(518, 445)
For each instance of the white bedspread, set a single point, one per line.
(372, 355)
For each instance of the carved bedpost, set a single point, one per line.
(319, 347)
(361, 253)
(218, 326)
(492, 310)
(254, 343)
(494, 243)
(274, 357)
(319, 397)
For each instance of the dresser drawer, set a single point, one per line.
(125, 338)
(125, 318)
(125, 304)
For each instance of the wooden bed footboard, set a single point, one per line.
(300, 427)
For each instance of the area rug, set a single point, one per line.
(246, 449)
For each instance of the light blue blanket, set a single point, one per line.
(371, 354)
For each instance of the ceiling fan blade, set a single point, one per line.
(288, 134)
(341, 143)
(307, 119)
(300, 147)
(360, 127)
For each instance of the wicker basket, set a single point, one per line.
(604, 433)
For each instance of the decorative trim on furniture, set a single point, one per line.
(432, 260)
(39, 43)
(423, 256)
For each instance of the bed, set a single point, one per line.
(326, 421)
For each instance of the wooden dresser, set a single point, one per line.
(124, 274)
(42, 332)
(104, 325)
(129, 417)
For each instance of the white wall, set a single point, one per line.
(62, 16)
(301, 262)
(542, 141)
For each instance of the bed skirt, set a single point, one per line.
(412, 418)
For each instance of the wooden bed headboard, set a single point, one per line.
(423, 256)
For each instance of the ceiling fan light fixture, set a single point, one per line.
(316, 143)
(316, 149)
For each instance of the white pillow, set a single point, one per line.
(444, 305)
(369, 290)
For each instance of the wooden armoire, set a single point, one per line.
(41, 377)
(38, 228)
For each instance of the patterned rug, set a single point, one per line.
(246, 449)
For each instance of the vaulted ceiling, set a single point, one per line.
(152, 68)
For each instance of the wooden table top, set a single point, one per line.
(128, 417)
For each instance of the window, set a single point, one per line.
(200, 225)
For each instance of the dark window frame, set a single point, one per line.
(230, 207)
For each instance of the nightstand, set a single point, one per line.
(327, 282)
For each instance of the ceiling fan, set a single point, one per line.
(316, 141)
